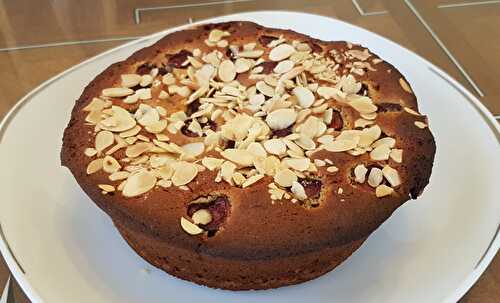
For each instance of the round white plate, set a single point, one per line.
(64, 249)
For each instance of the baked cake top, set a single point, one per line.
(268, 114)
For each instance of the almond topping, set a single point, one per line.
(265, 89)
(94, 166)
(405, 86)
(130, 80)
(137, 149)
(360, 173)
(110, 165)
(285, 177)
(184, 173)
(298, 191)
(242, 65)
(396, 155)
(281, 52)
(383, 190)
(388, 141)
(251, 180)
(380, 153)
(239, 156)
(340, 145)
(411, 111)
(283, 67)
(304, 96)
(117, 92)
(420, 125)
(297, 164)
(139, 183)
(281, 118)
(202, 216)
(106, 188)
(391, 175)
(375, 177)
(190, 228)
(212, 163)
(227, 71)
(103, 140)
(119, 175)
(275, 147)
(194, 149)
(90, 152)
(251, 54)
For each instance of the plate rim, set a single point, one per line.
(18, 272)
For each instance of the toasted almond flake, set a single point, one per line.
(117, 92)
(285, 177)
(130, 140)
(340, 191)
(139, 183)
(340, 145)
(227, 71)
(212, 163)
(238, 179)
(375, 177)
(298, 191)
(383, 190)
(275, 147)
(256, 149)
(304, 96)
(146, 80)
(119, 175)
(380, 153)
(184, 173)
(265, 89)
(222, 43)
(396, 155)
(281, 118)
(242, 65)
(216, 35)
(106, 187)
(168, 79)
(156, 127)
(227, 170)
(332, 169)
(251, 54)
(405, 86)
(164, 183)
(297, 164)
(283, 67)
(143, 138)
(269, 165)
(90, 152)
(369, 135)
(360, 173)
(420, 125)
(194, 149)
(202, 216)
(362, 123)
(95, 105)
(165, 172)
(251, 180)
(370, 116)
(184, 187)
(130, 80)
(190, 228)
(131, 132)
(281, 52)
(110, 164)
(319, 162)
(306, 143)
(411, 111)
(388, 141)
(391, 175)
(363, 105)
(137, 149)
(329, 92)
(94, 166)
(120, 121)
(241, 157)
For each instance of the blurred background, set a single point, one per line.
(41, 38)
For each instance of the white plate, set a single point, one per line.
(430, 250)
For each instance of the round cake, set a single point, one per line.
(243, 157)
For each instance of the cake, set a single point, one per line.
(243, 157)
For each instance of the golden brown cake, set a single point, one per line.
(243, 157)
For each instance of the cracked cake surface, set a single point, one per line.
(233, 145)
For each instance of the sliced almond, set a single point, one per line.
(117, 92)
(157, 127)
(227, 71)
(227, 170)
(139, 183)
(194, 149)
(256, 149)
(242, 65)
(363, 105)
(146, 80)
(202, 216)
(360, 173)
(238, 179)
(212, 163)
(251, 54)
(375, 177)
(285, 177)
(120, 121)
(106, 188)
(281, 118)
(297, 164)
(119, 175)
(184, 173)
(388, 141)
(281, 52)
(329, 92)
(396, 155)
(130, 80)
(380, 153)
(411, 111)
(265, 89)
(94, 166)
(340, 145)
(137, 149)
(405, 86)
(304, 96)
(420, 125)
(241, 157)
(332, 169)
(216, 35)
(298, 191)
(275, 147)
(383, 190)
(283, 67)
(190, 228)
(110, 164)
(95, 105)
(90, 152)
(251, 180)
(391, 175)
(306, 143)
(131, 132)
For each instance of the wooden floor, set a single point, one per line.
(39, 39)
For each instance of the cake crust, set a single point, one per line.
(258, 231)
